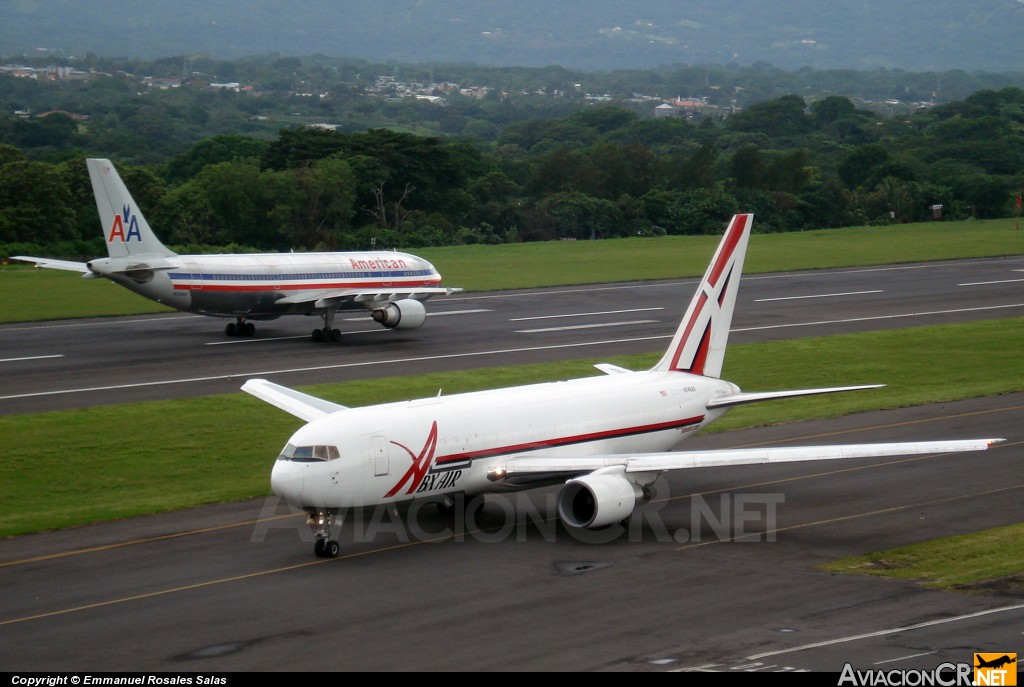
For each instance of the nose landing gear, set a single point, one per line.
(322, 522)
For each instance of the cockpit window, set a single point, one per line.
(309, 454)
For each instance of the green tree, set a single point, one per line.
(860, 164)
(9, 153)
(578, 216)
(702, 211)
(221, 148)
(831, 109)
(778, 118)
(35, 204)
(747, 167)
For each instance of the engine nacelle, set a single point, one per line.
(598, 499)
(407, 313)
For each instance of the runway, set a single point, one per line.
(68, 364)
(718, 572)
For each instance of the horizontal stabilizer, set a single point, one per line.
(610, 369)
(54, 264)
(754, 397)
(143, 267)
(524, 466)
(302, 406)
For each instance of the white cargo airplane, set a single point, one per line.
(606, 438)
(391, 285)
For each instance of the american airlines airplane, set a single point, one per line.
(605, 438)
(391, 285)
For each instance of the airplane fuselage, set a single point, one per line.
(449, 444)
(252, 285)
(606, 439)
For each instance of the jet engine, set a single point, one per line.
(598, 499)
(407, 313)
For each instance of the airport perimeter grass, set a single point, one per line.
(72, 467)
(32, 294)
(982, 562)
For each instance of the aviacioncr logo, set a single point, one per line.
(125, 227)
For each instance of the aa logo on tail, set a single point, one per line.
(995, 669)
(125, 219)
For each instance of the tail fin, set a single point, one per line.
(126, 231)
(699, 344)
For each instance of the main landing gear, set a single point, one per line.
(327, 332)
(322, 522)
(240, 328)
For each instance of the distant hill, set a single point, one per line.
(915, 35)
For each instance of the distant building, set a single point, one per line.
(432, 99)
(665, 110)
(163, 82)
(66, 74)
(681, 107)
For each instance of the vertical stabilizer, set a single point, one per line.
(124, 228)
(699, 344)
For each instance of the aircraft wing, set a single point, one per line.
(68, 265)
(530, 468)
(302, 406)
(333, 297)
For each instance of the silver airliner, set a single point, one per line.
(244, 287)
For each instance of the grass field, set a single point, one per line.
(33, 294)
(528, 265)
(121, 461)
(981, 562)
(126, 460)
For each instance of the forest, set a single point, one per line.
(320, 161)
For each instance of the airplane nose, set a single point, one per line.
(286, 480)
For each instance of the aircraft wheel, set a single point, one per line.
(331, 549)
(230, 329)
(318, 335)
(250, 328)
(335, 335)
(320, 547)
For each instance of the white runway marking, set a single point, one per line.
(887, 631)
(364, 318)
(337, 366)
(880, 317)
(986, 283)
(31, 357)
(904, 658)
(442, 313)
(583, 326)
(820, 295)
(70, 325)
(750, 661)
(696, 280)
(581, 314)
(285, 338)
(474, 354)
